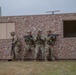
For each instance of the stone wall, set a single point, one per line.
(65, 48)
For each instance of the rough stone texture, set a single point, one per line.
(65, 48)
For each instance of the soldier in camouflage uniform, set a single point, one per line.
(15, 46)
(39, 42)
(29, 39)
(49, 45)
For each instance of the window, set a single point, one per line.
(69, 28)
(5, 29)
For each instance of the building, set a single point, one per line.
(62, 24)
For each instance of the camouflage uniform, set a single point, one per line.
(15, 46)
(49, 47)
(29, 39)
(39, 42)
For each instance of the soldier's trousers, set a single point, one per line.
(29, 47)
(16, 53)
(37, 48)
(47, 48)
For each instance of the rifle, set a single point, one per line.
(29, 38)
(53, 37)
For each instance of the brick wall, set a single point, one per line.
(65, 48)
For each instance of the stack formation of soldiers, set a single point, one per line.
(35, 43)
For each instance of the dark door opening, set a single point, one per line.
(69, 28)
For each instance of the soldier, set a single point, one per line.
(39, 42)
(15, 46)
(50, 39)
(29, 39)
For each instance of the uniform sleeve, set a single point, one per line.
(15, 39)
(34, 38)
(43, 37)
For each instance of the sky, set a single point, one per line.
(36, 7)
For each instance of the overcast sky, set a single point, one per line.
(35, 7)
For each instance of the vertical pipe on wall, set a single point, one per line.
(0, 12)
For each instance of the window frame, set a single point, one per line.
(64, 30)
(6, 23)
